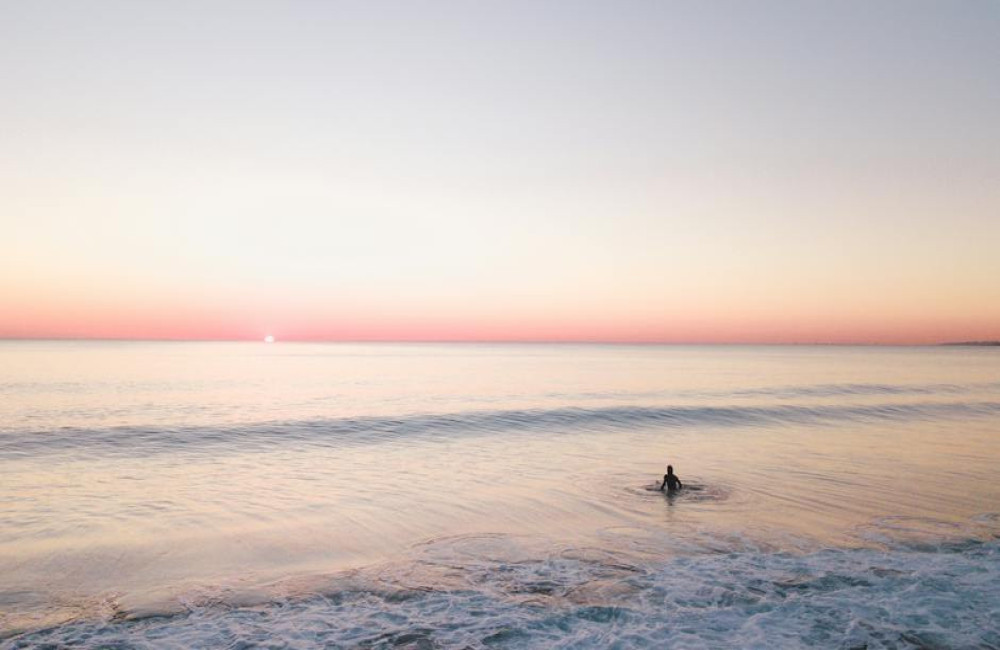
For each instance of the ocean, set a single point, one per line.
(298, 495)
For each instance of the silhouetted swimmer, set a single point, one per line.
(670, 481)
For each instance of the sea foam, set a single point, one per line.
(904, 597)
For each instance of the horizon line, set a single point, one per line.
(984, 343)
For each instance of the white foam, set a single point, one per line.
(949, 597)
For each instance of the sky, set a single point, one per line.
(633, 171)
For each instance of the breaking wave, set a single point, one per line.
(899, 598)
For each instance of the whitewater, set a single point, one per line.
(158, 495)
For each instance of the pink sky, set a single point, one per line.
(487, 171)
(221, 322)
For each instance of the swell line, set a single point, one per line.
(337, 432)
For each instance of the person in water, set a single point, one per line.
(670, 480)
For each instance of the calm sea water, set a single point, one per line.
(296, 495)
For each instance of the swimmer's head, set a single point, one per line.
(670, 469)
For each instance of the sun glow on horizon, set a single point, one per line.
(268, 339)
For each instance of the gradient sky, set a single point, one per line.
(617, 171)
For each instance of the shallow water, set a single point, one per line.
(479, 495)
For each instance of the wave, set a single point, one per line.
(133, 440)
(789, 391)
(861, 390)
(833, 598)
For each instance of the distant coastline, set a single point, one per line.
(975, 343)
